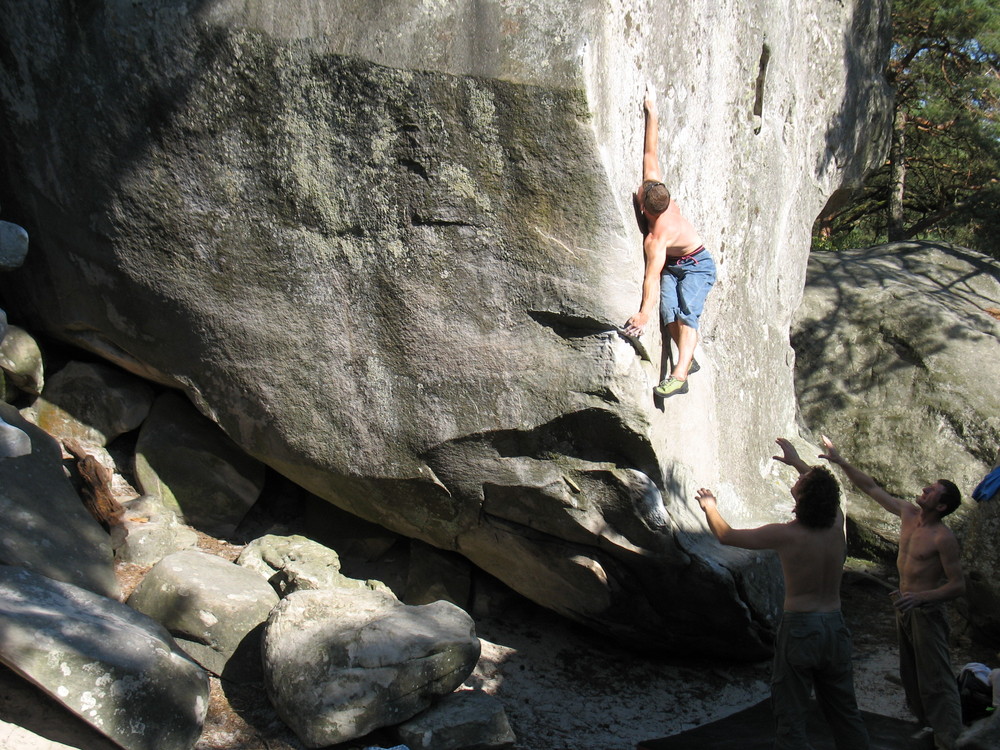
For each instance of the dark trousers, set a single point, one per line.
(813, 650)
(926, 672)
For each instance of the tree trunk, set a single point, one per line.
(897, 185)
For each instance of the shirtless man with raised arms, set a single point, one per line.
(813, 645)
(679, 270)
(930, 574)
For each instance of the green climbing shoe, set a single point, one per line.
(670, 387)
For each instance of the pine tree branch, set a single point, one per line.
(927, 222)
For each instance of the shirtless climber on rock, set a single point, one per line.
(677, 264)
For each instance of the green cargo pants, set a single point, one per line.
(926, 671)
(813, 649)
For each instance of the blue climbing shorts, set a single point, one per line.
(684, 285)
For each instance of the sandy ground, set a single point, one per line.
(562, 687)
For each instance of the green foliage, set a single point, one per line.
(945, 65)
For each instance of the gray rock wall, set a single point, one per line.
(895, 346)
(387, 248)
(896, 349)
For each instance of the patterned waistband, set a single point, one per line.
(673, 261)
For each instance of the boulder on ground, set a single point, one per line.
(13, 245)
(194, 468)
(45, 525)
(340, 663)
(14, 441)
(463, 720)
(91, 403)
(149, 532)
(30, 720)
(214, 610)
(21, 360)
(294, 563)
(117, 669)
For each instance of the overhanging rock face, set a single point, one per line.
(388, 251)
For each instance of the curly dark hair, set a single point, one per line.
(818, 498)
(655, 196)
(951, 497)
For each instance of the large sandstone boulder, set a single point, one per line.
(389, 254)
(340, 663)
(896, 349)
(116, 669)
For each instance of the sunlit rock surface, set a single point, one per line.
(388, 253)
